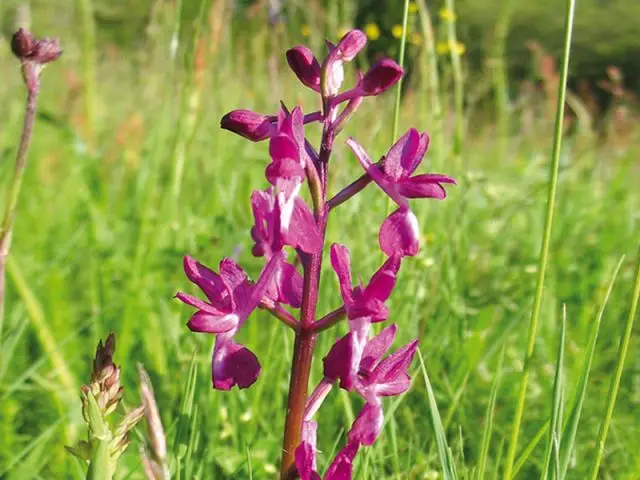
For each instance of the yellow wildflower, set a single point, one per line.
(447, 15)
(415, 38)
(442, 48)
(372, 31)
(413, 7)
(396, 31)
(460, 48)
(305, 30)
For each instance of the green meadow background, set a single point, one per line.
(129, 170)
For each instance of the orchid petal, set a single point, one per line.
(299, 228)
(368, 425)
(424, 186)
(204, 322)
(384, 280)
(283, 147)
(400, 154)
(255, 294)
(395, 365)
(376, 348)
(399, 234)
(375, 173)
(209, 282)
(199, 304)
(341, 363)
(342, 266)
(233, 364)
(305, 458)
(351, 44)
(342, 466)
(411, 162)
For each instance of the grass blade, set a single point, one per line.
(546, 240)
(526, 453)
(571, 428)
(488, 428)
(556, 406)
(444, 452)
(615, 383)
(41, 327)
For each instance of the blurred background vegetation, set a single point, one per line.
(129, 171)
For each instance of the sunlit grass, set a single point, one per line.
(100, 234)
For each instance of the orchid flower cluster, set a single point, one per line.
(284, 224)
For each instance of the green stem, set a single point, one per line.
(499, 75)
(546, 239)
(403, 45)
(458, 84)
(615, 383)
(88, 66)
(100, 468)
(396, 109)
(433, 82)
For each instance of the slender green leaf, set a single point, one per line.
(444, 452)
(615, 382)
(489, 418)
(556, 405)
(571, 428)
(546, 241)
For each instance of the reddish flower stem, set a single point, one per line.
(302, 357)
(305, 336)
(329, 320)
(349, 191)
(352, 189)
(30, 72)
(282, 315)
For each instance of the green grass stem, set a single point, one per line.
(546, 240)
(615, 383)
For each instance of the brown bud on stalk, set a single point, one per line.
(41, 51)
(34, 54)
(105, 379)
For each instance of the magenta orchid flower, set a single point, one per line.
(271, 232)
(403, 158)
(231, 299)
(399, 233)
(364, 305)
(364, 370)
(364, 301)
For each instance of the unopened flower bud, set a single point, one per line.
(380, 77)
(47, 50)
(22, 43)
(248, 124)
(27, 48)
(351, 44)
(305, 65)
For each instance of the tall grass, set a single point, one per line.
(98, 243)
(544, 250)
